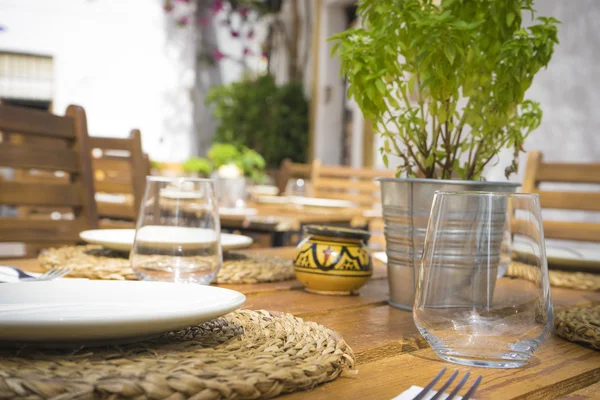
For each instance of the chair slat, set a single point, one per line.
(581, 231)
(117, 210)
(564, 172)
(111, 143)
(41, 194)
(34, 122)
(585, 201)
(114, 187)
(348, 184)
(19, 156)
(35, 230)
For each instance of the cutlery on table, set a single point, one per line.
(452, 394)
(51, 274)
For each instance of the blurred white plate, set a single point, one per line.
(273, 199)
(163, 237)
(381, 256)
(180, 195)
(318, 202)
(237, 211)
(565, 256)
(263, 190)
(82, 311)
(307, 201)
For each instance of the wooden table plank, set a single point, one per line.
(589, 392)
(558, 368)
(392, 356)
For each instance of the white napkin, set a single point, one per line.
(411, 392)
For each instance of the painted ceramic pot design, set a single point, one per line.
(332, 260)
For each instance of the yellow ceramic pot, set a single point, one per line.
(332, 260)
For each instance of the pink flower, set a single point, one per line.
(246, 51)
(204, 21)
(217, 55)
(235, 33)
(250, 34)
(217, 6)
(265, 54)
(244, 11)
(183, 21)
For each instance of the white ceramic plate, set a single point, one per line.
(318, 202)
(566, 256)
(163, 237)
(273, 199)
(263, 190)
(83, 311)
(237, 211)
(307, 201)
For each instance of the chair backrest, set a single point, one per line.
(60, 145)
(538, 172)
(120, 168)
(346, 183)
(289, 170)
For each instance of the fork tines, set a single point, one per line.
(445, 386)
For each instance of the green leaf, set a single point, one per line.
(510, 17)
(334, 48)
(380, 86)
(429, 160)
(450, 52)
(385, 161)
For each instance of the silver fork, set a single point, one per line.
(452, 394)
(52, 273)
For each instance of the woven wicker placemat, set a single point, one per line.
(96, 262)
(579, 324)
(571, 280)
(243, 355)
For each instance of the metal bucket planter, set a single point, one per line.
(406, 207)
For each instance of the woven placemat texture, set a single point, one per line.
(571, 280)
(96, 262)
(243, 355)
(579, 324)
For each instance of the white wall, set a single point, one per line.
(569, 90)
(123, 61)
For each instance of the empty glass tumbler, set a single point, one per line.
(483, 296)
(178, 231)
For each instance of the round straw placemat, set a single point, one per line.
(579, 324)
(243, 355)
(571, 280)
(96, 262)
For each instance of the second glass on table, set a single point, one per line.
(466, 307)
(178, 231)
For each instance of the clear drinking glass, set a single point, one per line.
(178, 231)
(469, 312)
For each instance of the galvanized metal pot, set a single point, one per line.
(406, 207)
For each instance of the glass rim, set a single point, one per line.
(485, 194)
(156, 178)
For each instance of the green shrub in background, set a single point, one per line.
(258, 114)
(202, 166)
(249, 161)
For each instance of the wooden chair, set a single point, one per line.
(49, 143)
(120, 170)
(289, 170)
(346, 183)
(538, 172)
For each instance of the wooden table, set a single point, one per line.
(391, 355)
